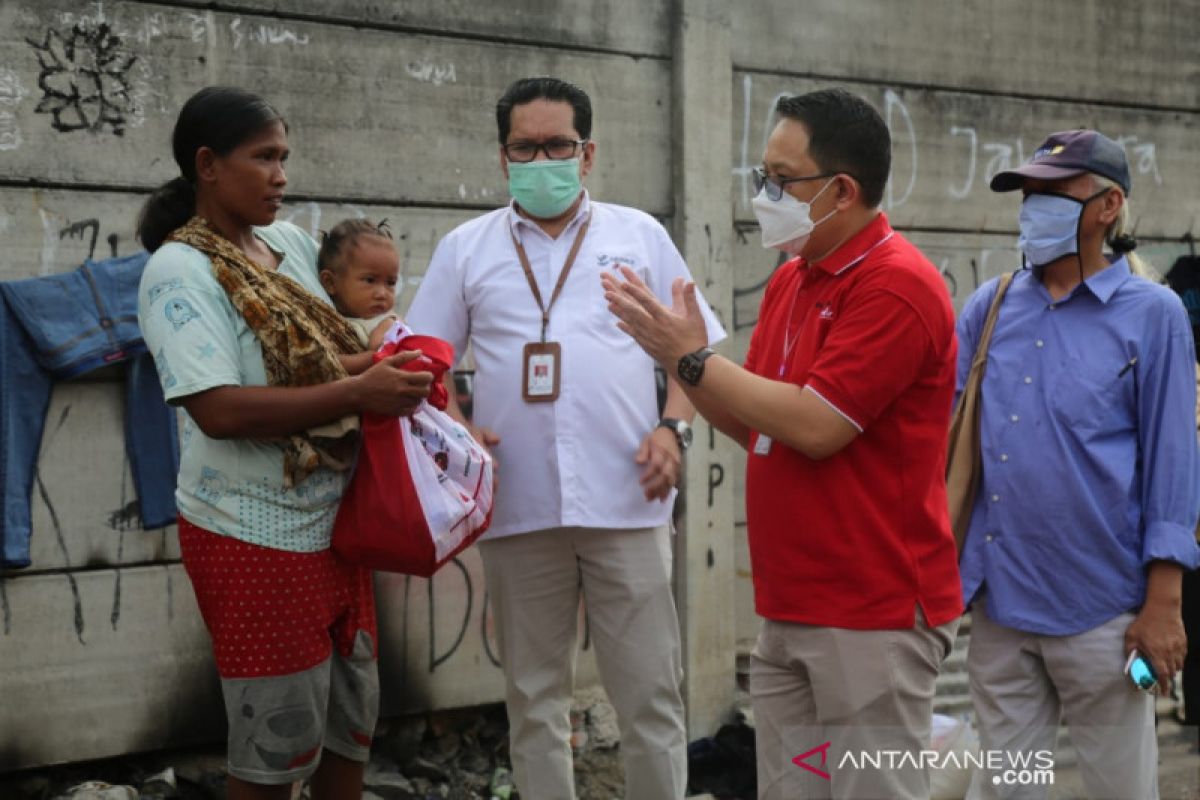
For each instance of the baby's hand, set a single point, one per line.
(376, 338)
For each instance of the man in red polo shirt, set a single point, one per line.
(843, 405)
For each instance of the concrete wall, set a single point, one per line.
(390, 105)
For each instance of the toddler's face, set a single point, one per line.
(365, 286)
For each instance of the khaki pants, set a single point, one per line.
(1022, 683)
(858, 691)
(534, 581)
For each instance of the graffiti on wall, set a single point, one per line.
(90, 78)
(84, 78)
(68, 241)
(968, 156)
(12, 92)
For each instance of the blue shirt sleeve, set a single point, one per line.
(1170, 453)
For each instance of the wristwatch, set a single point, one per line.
(682, 431)
(691, 366)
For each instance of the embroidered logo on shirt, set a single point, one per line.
(608, 261)
(162, 287)
(826, 310)
(320, 488)
(164, 369)
(213, 485)
(180, 312)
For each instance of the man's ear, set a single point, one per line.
(588, 159)
(1110, 206)
(849, 192)
(503, 162)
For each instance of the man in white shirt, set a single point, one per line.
(568, 404)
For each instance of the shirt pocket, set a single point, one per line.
(1094, 399)
(595, 308)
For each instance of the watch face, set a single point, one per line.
(689, 370)
(691, 367)
(682, 431)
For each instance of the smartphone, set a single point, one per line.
(1140, 672)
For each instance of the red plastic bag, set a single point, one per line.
(422, 487)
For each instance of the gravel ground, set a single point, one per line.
(463, 755)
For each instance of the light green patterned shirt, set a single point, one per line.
(199, 341)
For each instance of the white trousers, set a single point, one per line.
(534, 581)
(849, 692)
(1022, 683)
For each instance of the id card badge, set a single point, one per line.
(540, 377)
(762, 444)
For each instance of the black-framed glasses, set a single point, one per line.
(774, 185)
(555, 149)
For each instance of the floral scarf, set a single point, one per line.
(301, 337)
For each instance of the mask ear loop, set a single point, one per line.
(1079, 229)
(1078, 244)
(818, 194)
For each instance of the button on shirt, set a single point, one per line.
(569, 462)
(1090, 462)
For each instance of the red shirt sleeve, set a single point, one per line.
(875, 351)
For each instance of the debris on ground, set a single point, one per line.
(443, 755)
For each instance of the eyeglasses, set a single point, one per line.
(555, 149)
(774, 185)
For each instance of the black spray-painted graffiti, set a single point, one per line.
(87, 231)
(84, 78)
(455, 583)
(79, 230)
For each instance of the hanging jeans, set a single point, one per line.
(58, 327)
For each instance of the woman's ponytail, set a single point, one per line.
(170, 206)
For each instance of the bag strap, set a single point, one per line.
(989, 325)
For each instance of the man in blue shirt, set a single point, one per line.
(1084, 521)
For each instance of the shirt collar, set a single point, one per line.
(852, 251)
(516, 221)
(1104, 284)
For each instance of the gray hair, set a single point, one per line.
(1118, 234)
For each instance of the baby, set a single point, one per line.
(359, 268)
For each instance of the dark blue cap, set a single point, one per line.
(1067, 154)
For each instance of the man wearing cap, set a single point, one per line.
(1085, 516)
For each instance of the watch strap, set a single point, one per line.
(678, 427)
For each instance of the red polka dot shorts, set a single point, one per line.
(273, 612)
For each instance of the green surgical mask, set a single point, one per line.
(545, 189)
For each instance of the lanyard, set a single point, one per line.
(562, 276)
(789, 340)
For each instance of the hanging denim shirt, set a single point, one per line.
(58, 327)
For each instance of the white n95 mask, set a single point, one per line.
(786, 223)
